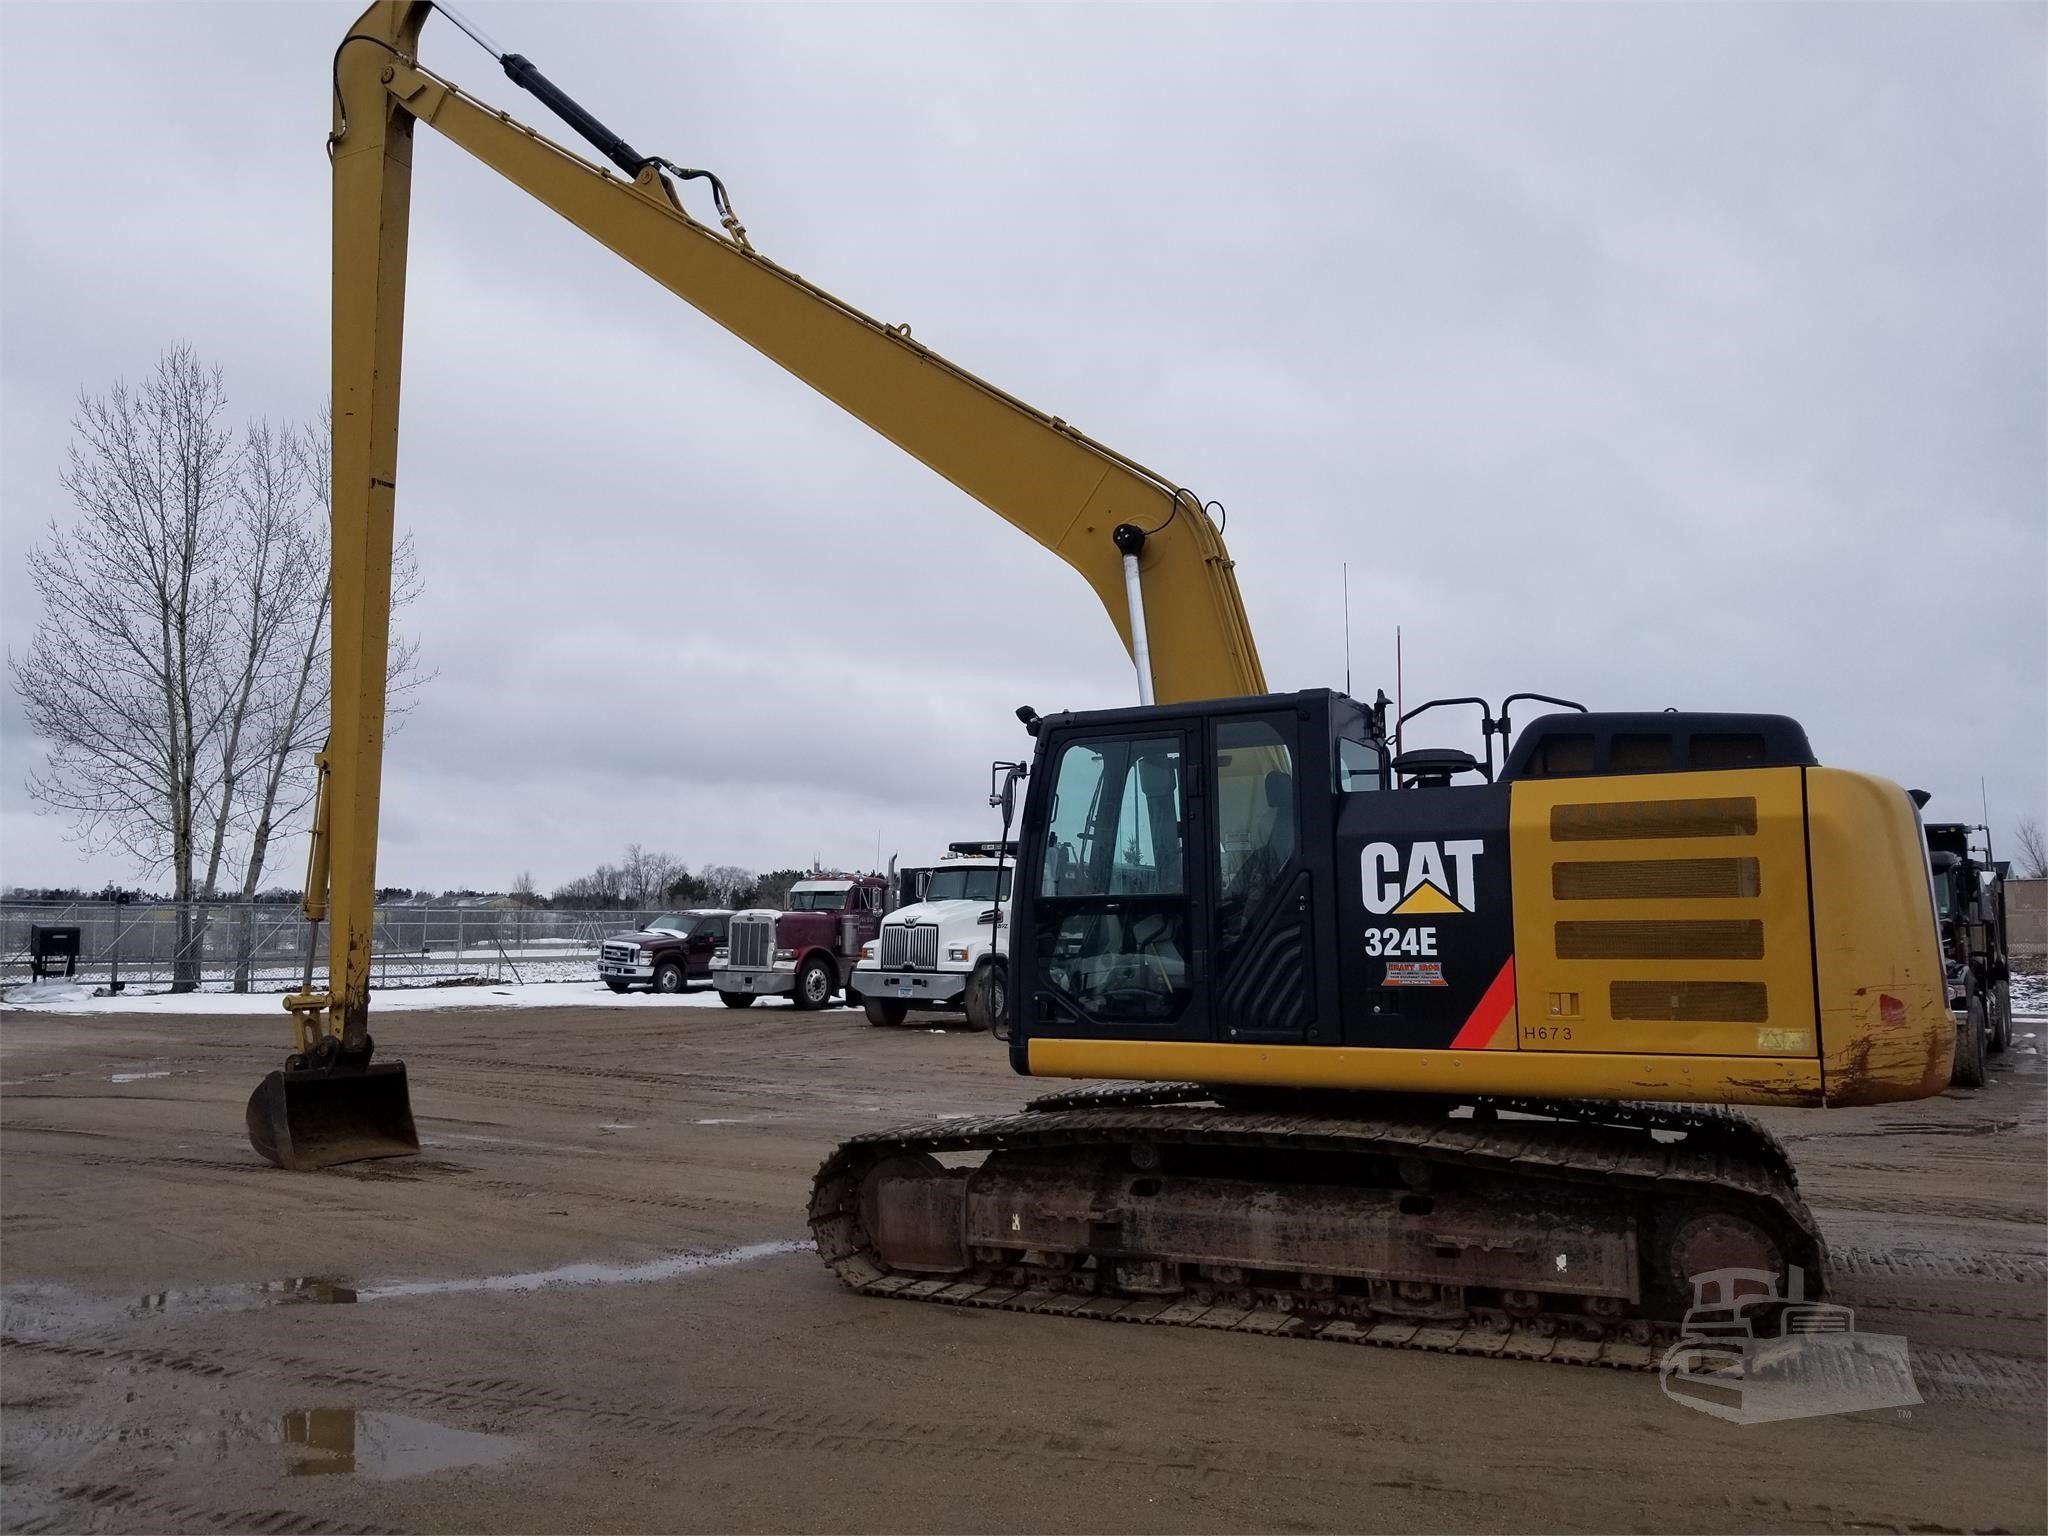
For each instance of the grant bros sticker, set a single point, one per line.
(1414, 973)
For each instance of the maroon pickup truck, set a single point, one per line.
(673, 950)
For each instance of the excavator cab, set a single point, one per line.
(1671, 905)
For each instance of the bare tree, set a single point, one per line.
(2032, 863)
(727, 883)
(178, 674)
(523, 893)
(647, 875)
(117, 677)
(602, 887)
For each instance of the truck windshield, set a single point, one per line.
(823, 899)
(670, 922)
(967, 885)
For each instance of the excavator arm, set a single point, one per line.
(1145, 544)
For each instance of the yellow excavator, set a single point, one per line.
(1394, 1047)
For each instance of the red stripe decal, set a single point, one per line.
(1491, 1013)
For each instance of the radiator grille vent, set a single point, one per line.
(752, 940)
(1733, 940)
(911, 946)
(1690, 1002)
(1654, 879)
(1731, 817)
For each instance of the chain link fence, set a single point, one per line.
(261, 946)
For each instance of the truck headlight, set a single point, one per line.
(721, 956)
(785, 956)
(867, 954)
(956, 952)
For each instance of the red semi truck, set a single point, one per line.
(806, 953)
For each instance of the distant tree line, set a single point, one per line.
(646, 878)
(640, 882)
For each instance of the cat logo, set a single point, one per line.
(1421, 887)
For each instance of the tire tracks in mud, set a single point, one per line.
(413, 1170)
(753, 1428)
(720, 1089)
(1972, 1377)
(1922, 1264)
(155, 1513)
(1903, 1203)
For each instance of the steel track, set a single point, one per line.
(1705, 1152)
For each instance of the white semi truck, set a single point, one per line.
(948, 951)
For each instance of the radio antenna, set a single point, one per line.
(1347, 628)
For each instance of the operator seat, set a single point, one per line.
(1434, 767)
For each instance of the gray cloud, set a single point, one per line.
(1654, 355)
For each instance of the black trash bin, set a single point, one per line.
(47, 944)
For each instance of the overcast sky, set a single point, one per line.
(1652, 355)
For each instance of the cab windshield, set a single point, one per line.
(821, 899)
(967, 885)
(671, 922)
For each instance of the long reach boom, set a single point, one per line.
(1127, 530)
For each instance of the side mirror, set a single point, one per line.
(1002, 791)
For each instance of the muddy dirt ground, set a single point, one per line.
(179, 1353)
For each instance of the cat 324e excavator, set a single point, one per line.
(1396, 1047)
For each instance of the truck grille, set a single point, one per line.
(752, 941)
(626, 952)
(910, 947)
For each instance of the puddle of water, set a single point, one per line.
(667, 1267)
(383, 1446)
(39, 1310)
(317, 1289)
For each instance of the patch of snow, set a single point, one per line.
(2029, 992)
(71, 998)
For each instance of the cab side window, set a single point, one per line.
(1112, 920)
(1360, 766)
(1256, 834)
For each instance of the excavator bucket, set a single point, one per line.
(315, 1118)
